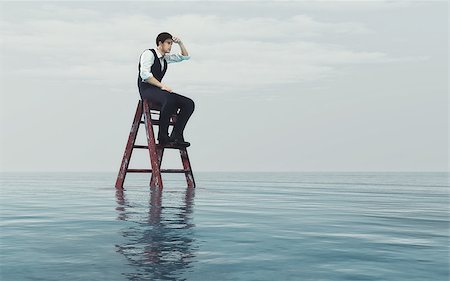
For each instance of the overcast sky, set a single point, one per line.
(278, 86)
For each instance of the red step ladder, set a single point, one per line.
(146, 109)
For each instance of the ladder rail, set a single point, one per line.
(129, 147)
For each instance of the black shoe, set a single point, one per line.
(183, 143)
(178, 141)
(163, 139)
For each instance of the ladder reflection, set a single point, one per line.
(161, 244)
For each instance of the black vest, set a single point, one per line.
(155, 70)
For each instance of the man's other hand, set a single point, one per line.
(166, 88)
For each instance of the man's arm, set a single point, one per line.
(177, 40)
(152, 80)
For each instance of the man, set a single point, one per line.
(152, 67)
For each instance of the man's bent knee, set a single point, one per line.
(189, 104)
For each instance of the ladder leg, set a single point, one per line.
(187, 166)
(129, 147)
(160, 153)
(156, 172)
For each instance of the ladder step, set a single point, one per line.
(156, 122)
(140, 146)
(153, 121)
(172, 146)
(162, 171)
(157, 145)
(139, 170)
(174, 171)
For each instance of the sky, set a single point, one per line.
(279, 86)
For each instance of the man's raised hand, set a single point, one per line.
(176, 40)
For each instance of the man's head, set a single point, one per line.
(164, 42)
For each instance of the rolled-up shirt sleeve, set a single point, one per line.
(147, 59)
(176, 58)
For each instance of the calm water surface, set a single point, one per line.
(233, 226)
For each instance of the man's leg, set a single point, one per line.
(186, 106)
(168, 107)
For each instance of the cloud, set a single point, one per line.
(357, 5)
(338, 80)
(215, 28)
(68, 43)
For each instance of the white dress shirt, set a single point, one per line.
(147, 59)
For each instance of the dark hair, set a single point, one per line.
(163, 37)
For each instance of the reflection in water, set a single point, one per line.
(160, 245)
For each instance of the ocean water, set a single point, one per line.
(233, 226)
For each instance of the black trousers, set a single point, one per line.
(170, 103)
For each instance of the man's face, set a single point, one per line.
(166, 46)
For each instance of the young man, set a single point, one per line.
(152, 67)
